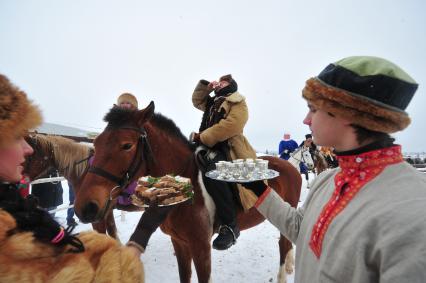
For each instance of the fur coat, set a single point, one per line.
(23, 259)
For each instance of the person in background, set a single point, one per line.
(286, 146)
(49, 194)
(127, 101)
(70, 212)
(307, 143)
(364, 221)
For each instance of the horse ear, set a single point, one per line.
(145, 114)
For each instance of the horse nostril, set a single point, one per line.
(89, 212)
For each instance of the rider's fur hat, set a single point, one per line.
(129, 98)
(371, 92)
(233, 86)
(17, 113)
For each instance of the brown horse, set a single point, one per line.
(65, 155)
(71, 160)
(320, 164)
(138, 143)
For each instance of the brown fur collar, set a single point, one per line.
(24, 259)
(359, 111)
(17, 113)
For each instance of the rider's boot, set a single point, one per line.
(228, 235)
(226, 212)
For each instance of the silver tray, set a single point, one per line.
(270, 174)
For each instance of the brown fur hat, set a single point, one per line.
(17, 113)
(129, 98)
(227, 78)
(370, 92)
(231, 88)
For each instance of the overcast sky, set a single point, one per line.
(74, 58)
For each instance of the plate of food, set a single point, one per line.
(162, 191)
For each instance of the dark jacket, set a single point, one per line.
(48, 194)
(312, 148)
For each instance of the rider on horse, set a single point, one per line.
(312, 148)
(221, 131)
(287, 146)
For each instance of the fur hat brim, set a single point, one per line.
(17, 113)
(360, 111)
(129, 98)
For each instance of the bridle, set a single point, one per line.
(143, 153)
(33, 143)
(302, 158)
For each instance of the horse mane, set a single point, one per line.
(117, 117)
(170, 127)
(66, 153)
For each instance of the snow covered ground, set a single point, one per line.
(255, 257)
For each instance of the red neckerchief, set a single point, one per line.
(357, 170)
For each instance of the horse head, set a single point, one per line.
(306, 158)
(59, 153)
(134, 143)
(42, 159)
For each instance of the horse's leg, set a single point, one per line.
(201, 254)
(183, 257)
(286, 259)
(110, 225)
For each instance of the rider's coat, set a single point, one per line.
(229, 129)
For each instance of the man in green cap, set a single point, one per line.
(365, 220)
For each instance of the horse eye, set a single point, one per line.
(126, 146)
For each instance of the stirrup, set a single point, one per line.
(230, 229)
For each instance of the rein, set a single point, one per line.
(46, 157)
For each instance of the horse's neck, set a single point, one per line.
(170, 156)
(72, 169)
(295, 159)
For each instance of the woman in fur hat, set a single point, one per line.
(364, 221)
(33, 246)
